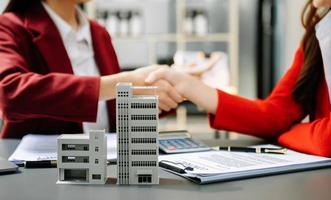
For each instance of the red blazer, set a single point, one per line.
(38, 91)
(278, 117)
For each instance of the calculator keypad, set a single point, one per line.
(181, 145)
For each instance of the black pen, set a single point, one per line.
(41, 164)
(255, 150)
(173, 168)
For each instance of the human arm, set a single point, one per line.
(28, 89)
(312, 137)
(276, 118)
(263, 118)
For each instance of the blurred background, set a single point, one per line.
(259, 38)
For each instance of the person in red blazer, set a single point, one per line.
(302, 91)
(39, 93)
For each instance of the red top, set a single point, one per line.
(38, 91)
(278, 117)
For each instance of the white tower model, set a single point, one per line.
(82, 159)
(137, 132)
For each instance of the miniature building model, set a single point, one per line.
(82, 159)
(137, 132)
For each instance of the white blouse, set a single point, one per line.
(323, 34)
(79, 47)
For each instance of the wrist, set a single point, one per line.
(187, 87)
(202, 95)
(107, 91)
(135, 78)
(108, 84)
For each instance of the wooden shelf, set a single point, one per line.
(157, 38)
(231, 37)
(217, 37)
(147, 38)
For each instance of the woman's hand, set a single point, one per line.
(188, 86)
(139, 75)
(183, 82)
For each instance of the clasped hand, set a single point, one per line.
(175, 86)
(183, 85)
(169, 97)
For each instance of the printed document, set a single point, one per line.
(43, 147)
(212, 166)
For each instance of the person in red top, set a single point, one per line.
(304, 90)
(50, 84)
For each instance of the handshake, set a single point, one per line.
(193, 77)
(174, 86)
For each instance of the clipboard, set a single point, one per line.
(185, 165)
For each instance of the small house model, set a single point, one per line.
(82, 158)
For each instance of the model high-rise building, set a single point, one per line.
(82, 159)
(137, 132)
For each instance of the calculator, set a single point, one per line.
(180, 142)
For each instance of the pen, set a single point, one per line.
(41, 164)
(19, 163)
(255, 150)
(171, 167)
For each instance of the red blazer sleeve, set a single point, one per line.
(313, 138)
(276, 118)
(25, 94)
(263, 118)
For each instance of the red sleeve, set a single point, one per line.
(313, 138)
(262, 118)
(24, 94)
(277, 118)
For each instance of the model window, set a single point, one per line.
(144, 163)
(144, 178)
(143, 129)
(143, 152)
(96, 149)
(96, 176)
(143, 117)
(96, 161)
(143, 140)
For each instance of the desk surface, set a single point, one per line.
(39, 184)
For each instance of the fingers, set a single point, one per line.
(168, 96)
(165, 101)
(164, 107)
(171, 91)
(152, 68)
(139, 75)
(156, 75)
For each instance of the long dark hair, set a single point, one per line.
(312, 70)
(19, 6)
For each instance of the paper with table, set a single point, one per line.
(43, 147)
(217, 166)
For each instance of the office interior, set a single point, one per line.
(258, 36)
(259, 39)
